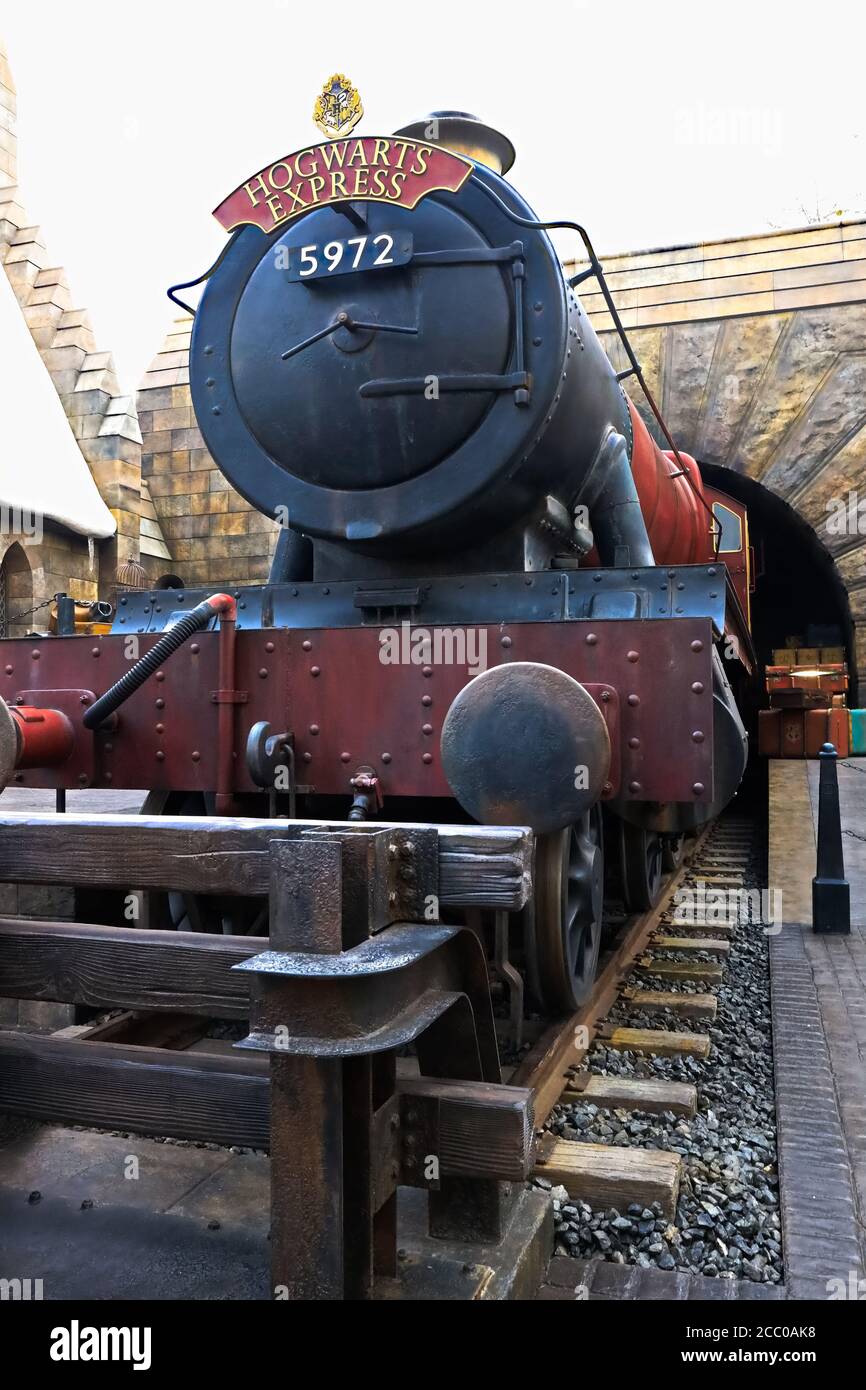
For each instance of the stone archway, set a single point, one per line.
(16, 591)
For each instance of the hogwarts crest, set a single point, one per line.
(338, 107)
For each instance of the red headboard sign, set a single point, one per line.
(372, 168)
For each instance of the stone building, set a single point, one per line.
(73, 507)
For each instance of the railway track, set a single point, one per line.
(660, 1005)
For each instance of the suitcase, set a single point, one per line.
(784, 656)
(793, 732)
(808, 656)
(769, 733)
(857, 732)
(802, 699)
(832, 656)
(826, 726)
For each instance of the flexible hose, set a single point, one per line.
(129, 682)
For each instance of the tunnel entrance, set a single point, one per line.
(798, 589)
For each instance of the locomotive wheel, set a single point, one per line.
(672, 852)
(640, 867)
(569, 897)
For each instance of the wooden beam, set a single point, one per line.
(633, 1093)
(477, 1129)
(607, 1176)
(689, 1005)
(484, 866)
(726, 928)
(678, 970)
(482, 1130)
(125, 967)
(143, 1089)
(659, 1041)
(691, 943)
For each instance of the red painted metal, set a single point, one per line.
(45, 736)
(226, 697)
(349, 709)
(679, 526)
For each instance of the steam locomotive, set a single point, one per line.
(493, 597)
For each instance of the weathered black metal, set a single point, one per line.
(831, 894)
(637, 592)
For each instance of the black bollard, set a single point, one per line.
(831, 896)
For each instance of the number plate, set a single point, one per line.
(342, 256)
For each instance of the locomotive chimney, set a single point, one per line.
(466, 135)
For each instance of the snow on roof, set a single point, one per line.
(42, 469)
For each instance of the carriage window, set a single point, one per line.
(732, 531)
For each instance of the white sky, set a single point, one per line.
(653, 123)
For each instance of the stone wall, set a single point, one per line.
(214, 536)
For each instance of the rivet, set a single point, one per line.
(307, 646)
(711, 570)
(160, 675)
(208, 352)
(427, 758)
(634, 699)
(426, 728)
(386, 757)
(314, 729)
(195, 648)
(35, 655)
(210, 382)
(160, 728)
(427, 671)
(263, 673)
(107, 776)
(108, 748)
(344, 757)
(605, 696)
(195, 755)
(591, 639)
(634, 786)
(698, 687)
(426, 699)
(160, 703)
(19, 776)
(698, 788)
(631, 656)
(634, 743)
(94, 651)
(160, 756)
(698, 736)
(697, 646)
(607, 788)
(215, 410)
(315, 670)
(505, 641)
(269, 646)
(9, 670)
(308, 757)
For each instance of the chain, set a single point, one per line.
(16, 617)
